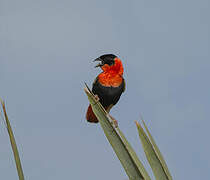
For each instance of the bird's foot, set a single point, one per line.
(114, 122)
(96, 98)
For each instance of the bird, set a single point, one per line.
(108, 85)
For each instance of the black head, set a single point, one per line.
(106, 59)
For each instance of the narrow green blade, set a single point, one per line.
(13, 143)
(151, 155)
(158, 153)
(114, 139)
(134, 155)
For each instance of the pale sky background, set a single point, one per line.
(46, 53)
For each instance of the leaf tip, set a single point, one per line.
(3, 105)
(2, 102)
(137, 123)
(86, 90)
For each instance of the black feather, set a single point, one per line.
(108, 95)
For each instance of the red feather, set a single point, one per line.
(90, 116)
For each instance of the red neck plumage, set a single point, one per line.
(112, 75)
(116, 69)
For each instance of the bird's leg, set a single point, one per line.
(114, 121)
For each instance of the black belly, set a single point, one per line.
(108, 95)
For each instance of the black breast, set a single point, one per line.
(108, 95)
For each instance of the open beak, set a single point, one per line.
(99, 64)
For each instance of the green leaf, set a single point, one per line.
(157, 151)
(134, 155)
(151, 155)
(114, 139)
(13, 143)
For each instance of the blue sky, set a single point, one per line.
(46, 53)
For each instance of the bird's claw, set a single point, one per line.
(114, 122)
(97, 99)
